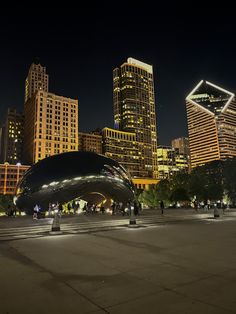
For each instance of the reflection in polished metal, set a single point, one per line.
(64, 177)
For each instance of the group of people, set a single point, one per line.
(88, 208)
(70, 208)
(207, 204)
(39, 213)
(120, 208)
(11, 211)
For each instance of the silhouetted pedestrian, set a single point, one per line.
(36, 211)
(162, 207)
(129, 207)
(102, 209)
(135, 208)
(113, 207)
(60, 209)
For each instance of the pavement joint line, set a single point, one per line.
(82, 295)
(135, 298)
(202, 301)
(54, 275)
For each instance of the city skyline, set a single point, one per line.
(80, 55)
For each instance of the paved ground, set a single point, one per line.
(184, 267)
(25, 221)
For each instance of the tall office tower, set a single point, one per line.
(122, 147)
(90, 142)
(1, 143)
(51, 126)
(12, 137)
(170, 161)
(37, 79)
(182, 144)
(211, 115)
(134, 110)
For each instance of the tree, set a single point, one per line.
(163, 189)
(149, 197)
(5, 200)
(179, 195)
(197, 186)
(179, 187)
(229, 180)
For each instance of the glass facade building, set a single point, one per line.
(12, 137)
(134, 110)
(122, 147)
(211, 115)
(170, 161)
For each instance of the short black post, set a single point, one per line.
(216, 213)
(56, 229)
(132, 219)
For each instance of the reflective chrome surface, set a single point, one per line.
(64, 177)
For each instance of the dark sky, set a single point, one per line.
(81, 46)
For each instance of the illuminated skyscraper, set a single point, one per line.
(122, 147)
(134, 110)
(90, 142)
(12, 137)
(211, 115)
(170, 161)
(182, 144)
(37, 79)
(51, 126)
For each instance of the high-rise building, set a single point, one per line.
(134, 110)
(90, 142)
(12, 137)
(51, 126)
(122, 147)
(10, 176)
(211, 115)
(1, 143)
(182, 143)
(37, 79)
(170, 161)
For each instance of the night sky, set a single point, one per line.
(80, 47)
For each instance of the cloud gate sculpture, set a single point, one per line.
(64, 177)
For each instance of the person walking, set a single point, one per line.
(129, 207)
(36, 210)
(69, 208)
(77, 207)
(135, 208)
(113, 208)
(9, 210)
(102, 209)
(60, 209)
(162, 206)
(49, 209)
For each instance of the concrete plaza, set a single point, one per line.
(183, 267)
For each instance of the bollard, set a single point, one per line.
(132, 220)
(216, 213)
(56, 229)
